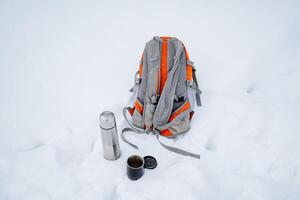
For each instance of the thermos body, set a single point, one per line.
(109, 135)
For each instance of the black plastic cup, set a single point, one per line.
(135, 167)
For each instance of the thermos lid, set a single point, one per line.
(150, 162)
(107, 120)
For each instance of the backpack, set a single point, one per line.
(164, 92)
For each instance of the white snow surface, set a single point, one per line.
(64, 62)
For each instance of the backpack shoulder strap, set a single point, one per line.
(165, 104)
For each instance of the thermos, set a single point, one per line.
(109, 135)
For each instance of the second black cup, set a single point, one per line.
(135, 167)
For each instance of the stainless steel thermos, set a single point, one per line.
(109, 135)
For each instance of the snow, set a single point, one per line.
(63, 62)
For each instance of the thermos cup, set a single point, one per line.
(136, 166)
(109, 135)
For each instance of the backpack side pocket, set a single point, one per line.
(137, 116)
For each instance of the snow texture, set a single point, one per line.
(64, 62)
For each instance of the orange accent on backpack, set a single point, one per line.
(163, 63)
(185, 107)
(139, 107)
(166, 133)
(131, 110)
(165, 37)
(189, 73)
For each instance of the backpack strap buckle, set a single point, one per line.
(137, 81)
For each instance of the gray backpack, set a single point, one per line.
(164, 92)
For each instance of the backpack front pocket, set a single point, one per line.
(179, 121)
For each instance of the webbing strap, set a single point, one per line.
(198, 92)
(124, 139)
(176, 150)
(132, 88)
(132, 128)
